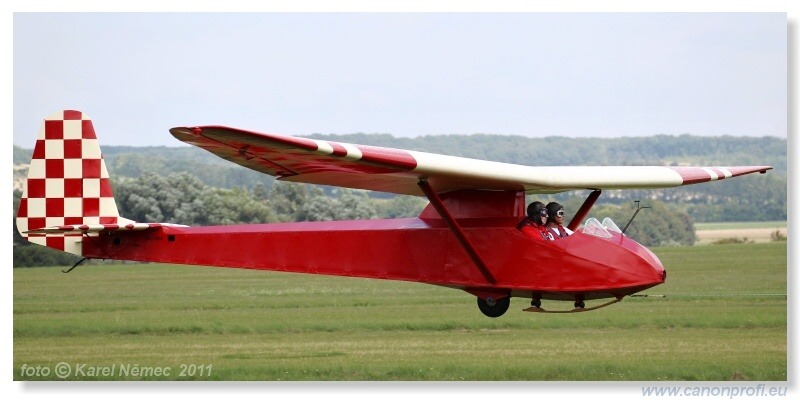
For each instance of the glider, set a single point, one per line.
(466, 238)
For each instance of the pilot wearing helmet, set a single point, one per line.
(533, 224)
(555, 222)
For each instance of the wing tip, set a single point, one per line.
(693, 175)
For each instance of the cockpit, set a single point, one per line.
(610, 231)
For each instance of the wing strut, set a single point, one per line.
(584, 210)
(456, 230)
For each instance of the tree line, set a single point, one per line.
(183, 198)
(664, 150)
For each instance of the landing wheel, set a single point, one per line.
(494, 308)
(536, 303)
(580, 304)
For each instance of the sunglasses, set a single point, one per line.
(543, 213)
(560, 213)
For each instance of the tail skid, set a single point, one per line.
(68, 191)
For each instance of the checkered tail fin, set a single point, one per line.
(67, 185)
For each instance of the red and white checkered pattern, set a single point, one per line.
(67, 183)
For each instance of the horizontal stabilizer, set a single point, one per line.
(95, 228)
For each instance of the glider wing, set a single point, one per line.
(382, 169)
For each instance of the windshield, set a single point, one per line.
(600, 230)
(593, 227)
(608, 224)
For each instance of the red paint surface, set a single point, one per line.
(286, 155)
(692, 175)
(413, 249)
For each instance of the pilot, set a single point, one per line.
(555, 222)
(533, 224)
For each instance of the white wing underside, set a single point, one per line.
(304, 160)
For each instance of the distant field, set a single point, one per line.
(724, 318)
(753, 231)
(702, 226)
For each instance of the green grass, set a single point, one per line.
(724, 318)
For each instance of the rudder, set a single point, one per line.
(68, 183)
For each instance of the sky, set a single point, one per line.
(406, 74)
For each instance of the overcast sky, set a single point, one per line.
(529, 74)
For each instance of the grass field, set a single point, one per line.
(724, 318)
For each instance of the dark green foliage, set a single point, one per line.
(155, 198)
(22, 155)
(33, 255)
(401, 206)
(18, 240)
(660, 225)
(286, 198)
(297, 202)
(229, 206)
(728, 241)
(183, 199)
(213, 171)
(750, 198)
(777, 236)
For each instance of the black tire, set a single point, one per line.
(494, 308)
(580, 304)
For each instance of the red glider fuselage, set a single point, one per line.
(421, 249)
